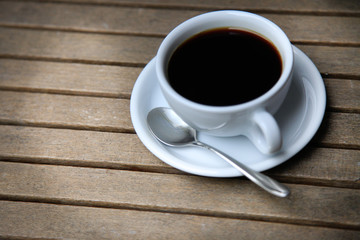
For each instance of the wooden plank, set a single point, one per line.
(84, 148)
(67, 78)
(78, 47)
(331, 167)
(322, 166)
(343, 95)
(136, 50)
(117, 81)
(299, 28)
(310, 205)
(106, 114)
(347, 137)
(101, 19)
(311, 7)
(38, 220)
(335, 61)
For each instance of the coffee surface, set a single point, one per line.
(224, 66)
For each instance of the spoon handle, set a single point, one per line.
(265, 182)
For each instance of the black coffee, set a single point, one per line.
(224, 66)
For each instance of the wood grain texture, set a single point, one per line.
(334, 61)
(68, 78)
(322, 166)
(78, 47)
(40, 220)
(340, 130)
(323, 206)
(332, 7)
(299, 28)
(333, 167)
(106, 114)
(343, 95)
(84, 148)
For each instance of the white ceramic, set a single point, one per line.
(299, 118)
(253, 119)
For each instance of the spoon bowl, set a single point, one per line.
(168, 128)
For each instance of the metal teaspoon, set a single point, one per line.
(167, 127)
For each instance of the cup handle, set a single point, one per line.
(265, 132)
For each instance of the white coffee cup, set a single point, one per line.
(253, 119)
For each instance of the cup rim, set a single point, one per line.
(172, 37)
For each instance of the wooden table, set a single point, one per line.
(72, 167)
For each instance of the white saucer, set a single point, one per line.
(299, 118)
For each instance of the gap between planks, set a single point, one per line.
(170, 170)
(72, 93)
(130, 207)
(118, 81)
(135, 65)
(130, 224)
(195, 212)
(335, 109)
(69, 60)
(74, 185)
(182, 6)
(325, 75)
(323, 166)
(154, 35)
(138, 51)
(317, 141)
(113, 115)
(50, 16)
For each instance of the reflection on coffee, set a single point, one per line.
(224, 66)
